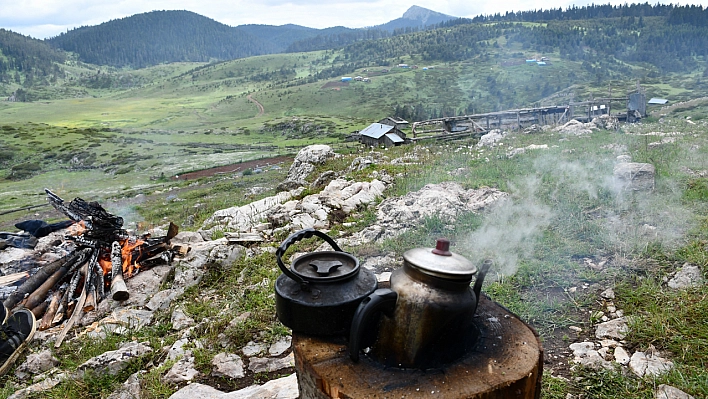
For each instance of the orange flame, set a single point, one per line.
(127, 253)
(77, 228)
(105, 265)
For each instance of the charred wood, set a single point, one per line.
(32, 283)
(48, 318)
(119, 291)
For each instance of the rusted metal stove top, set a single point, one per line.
(506, 362)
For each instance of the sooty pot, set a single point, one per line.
(425, 320)
(320, 291)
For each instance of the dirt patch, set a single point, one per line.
(334, 85)
(233, 168)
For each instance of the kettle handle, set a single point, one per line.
(381, 300)
(293, 238)
(477, 289)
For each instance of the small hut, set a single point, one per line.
(378, 134)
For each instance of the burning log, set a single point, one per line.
(119, 291)
(104, 257)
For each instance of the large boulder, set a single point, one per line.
(304, 164)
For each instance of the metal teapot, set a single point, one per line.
(320, 291)
(426, 316)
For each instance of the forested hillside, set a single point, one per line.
(157, 37)
(27, 61)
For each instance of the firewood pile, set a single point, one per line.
(104, 255)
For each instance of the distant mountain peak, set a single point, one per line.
(421, 14)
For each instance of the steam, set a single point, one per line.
(512, 228)
(582, 203)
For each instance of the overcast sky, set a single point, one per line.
(47, 18)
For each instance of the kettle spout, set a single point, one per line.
(480, 279)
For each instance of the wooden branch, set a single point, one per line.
(72, 320)
(39, 310)
(119, 291)
(35, 281)
(48, 318)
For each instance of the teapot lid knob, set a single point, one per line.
(442, 247)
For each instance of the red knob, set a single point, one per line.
(442, 247)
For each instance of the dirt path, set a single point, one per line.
(261, 110)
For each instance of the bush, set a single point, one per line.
(24, 170)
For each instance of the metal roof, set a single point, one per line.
(394, 138)
(659, 101)
(376, 130)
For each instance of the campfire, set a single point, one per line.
(104, 255)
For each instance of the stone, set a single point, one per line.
(634, 176)
(575, 329)
(180, 320)
(668, 392)
(242, 218)
(686, 277)
(609, 343)
(649, 364)
(445, 200)
(253, 348)
(240, 319)
(37, 388)
(187, 237)
(281, 388)
(575, 127)
(490, 139)
(163, 299)
(131, 318)
(621, 356)
(608, 294)
(130, 388)
(145, 284)
(182, 371)
(585, 354)
(113, 362)
(613, 329)
(227, 365)
(280, 346)
(268, 365)
(36, 363)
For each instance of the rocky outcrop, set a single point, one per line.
(304, 164)
(445, 200)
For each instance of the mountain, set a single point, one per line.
(281, 37)
(415, 18)
(172, 36)
(159, 36)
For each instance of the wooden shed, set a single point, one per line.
(378, 134)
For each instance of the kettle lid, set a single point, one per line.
(440, 262)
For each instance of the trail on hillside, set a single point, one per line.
(261, 110)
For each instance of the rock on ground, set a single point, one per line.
(687, 276)
(613, 329)
(649, 364)
(446, 200)
(227, 365)
(634, 176)
(282, 388)
(36, 363)
(112, 362)
(668, 392)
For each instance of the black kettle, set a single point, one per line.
(320, 291)
(426, 319)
